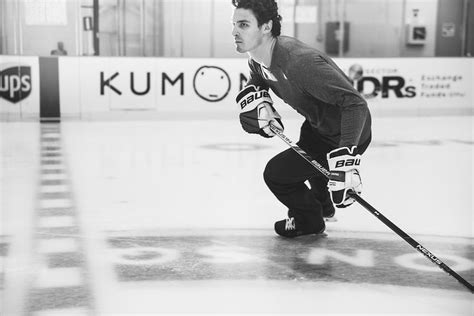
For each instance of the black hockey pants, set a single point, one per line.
(286, 173)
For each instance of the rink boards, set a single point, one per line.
(83, 87)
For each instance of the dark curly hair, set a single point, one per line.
(264, 11)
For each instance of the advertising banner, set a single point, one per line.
(392, 86)
(204, 87)
(413, 85)
(19, 87)
(92, 85)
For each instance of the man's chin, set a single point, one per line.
(239, 49)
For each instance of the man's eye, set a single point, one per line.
(243, 25)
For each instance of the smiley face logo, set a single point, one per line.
(211, 83)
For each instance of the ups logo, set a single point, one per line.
(15, 83)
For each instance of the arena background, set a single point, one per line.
(127, 186)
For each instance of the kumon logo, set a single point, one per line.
(15, 83)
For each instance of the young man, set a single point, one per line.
(337, 129)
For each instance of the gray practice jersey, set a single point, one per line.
(311, 83)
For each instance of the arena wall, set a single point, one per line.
(154, 88)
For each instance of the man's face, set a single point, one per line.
(247, 35)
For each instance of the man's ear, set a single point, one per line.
(267, 27)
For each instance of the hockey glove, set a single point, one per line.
(344, 177)
(256, 112)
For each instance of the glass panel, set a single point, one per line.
(202, 28)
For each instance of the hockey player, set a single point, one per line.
(337, 126)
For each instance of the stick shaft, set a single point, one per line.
(413, 242)
(376, 213)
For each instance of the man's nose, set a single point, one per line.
(234, 31)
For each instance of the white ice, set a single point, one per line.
(141, 177)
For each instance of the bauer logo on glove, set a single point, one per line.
(257, 111)
(344, 178)
(245, 98)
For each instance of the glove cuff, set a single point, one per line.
(342, 151)
(343, 159)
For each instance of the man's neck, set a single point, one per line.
(263, 53)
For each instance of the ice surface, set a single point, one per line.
(173, 216)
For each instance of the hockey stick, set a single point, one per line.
(376, 213)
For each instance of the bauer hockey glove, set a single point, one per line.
(344, 165)
(256, 111)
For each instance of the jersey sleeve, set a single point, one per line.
(323, 80)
